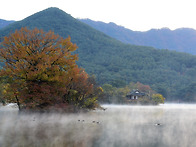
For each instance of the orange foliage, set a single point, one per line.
(143, 88)
(45, 66)
(35, 55)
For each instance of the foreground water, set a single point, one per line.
(168, 125)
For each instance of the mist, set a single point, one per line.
(165, 125)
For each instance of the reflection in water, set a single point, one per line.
(119, 126)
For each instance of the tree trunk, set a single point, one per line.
(18, 103)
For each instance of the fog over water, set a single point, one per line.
(168, 125)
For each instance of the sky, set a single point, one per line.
(137, 15)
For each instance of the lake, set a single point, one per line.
(168, 125)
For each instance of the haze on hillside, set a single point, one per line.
(180, 40)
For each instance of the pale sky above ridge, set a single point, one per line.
(137, 15)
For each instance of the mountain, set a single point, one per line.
(181, 40)
(4, 23)
(111, 61)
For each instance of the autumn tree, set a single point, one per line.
(42, 69)
(158, 98)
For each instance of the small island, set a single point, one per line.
(133, 93)
(137, 97)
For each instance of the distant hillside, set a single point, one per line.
(4, 23)
(111, 61)
(181, 40)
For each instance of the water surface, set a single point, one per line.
(165, 125)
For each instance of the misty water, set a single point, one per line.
(168, 125)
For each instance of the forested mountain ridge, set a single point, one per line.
(4, 23)
(111, 61)
(181, 40)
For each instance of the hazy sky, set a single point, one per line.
(140, 15)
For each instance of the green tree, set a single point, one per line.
(108, 93)
(157, 99)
